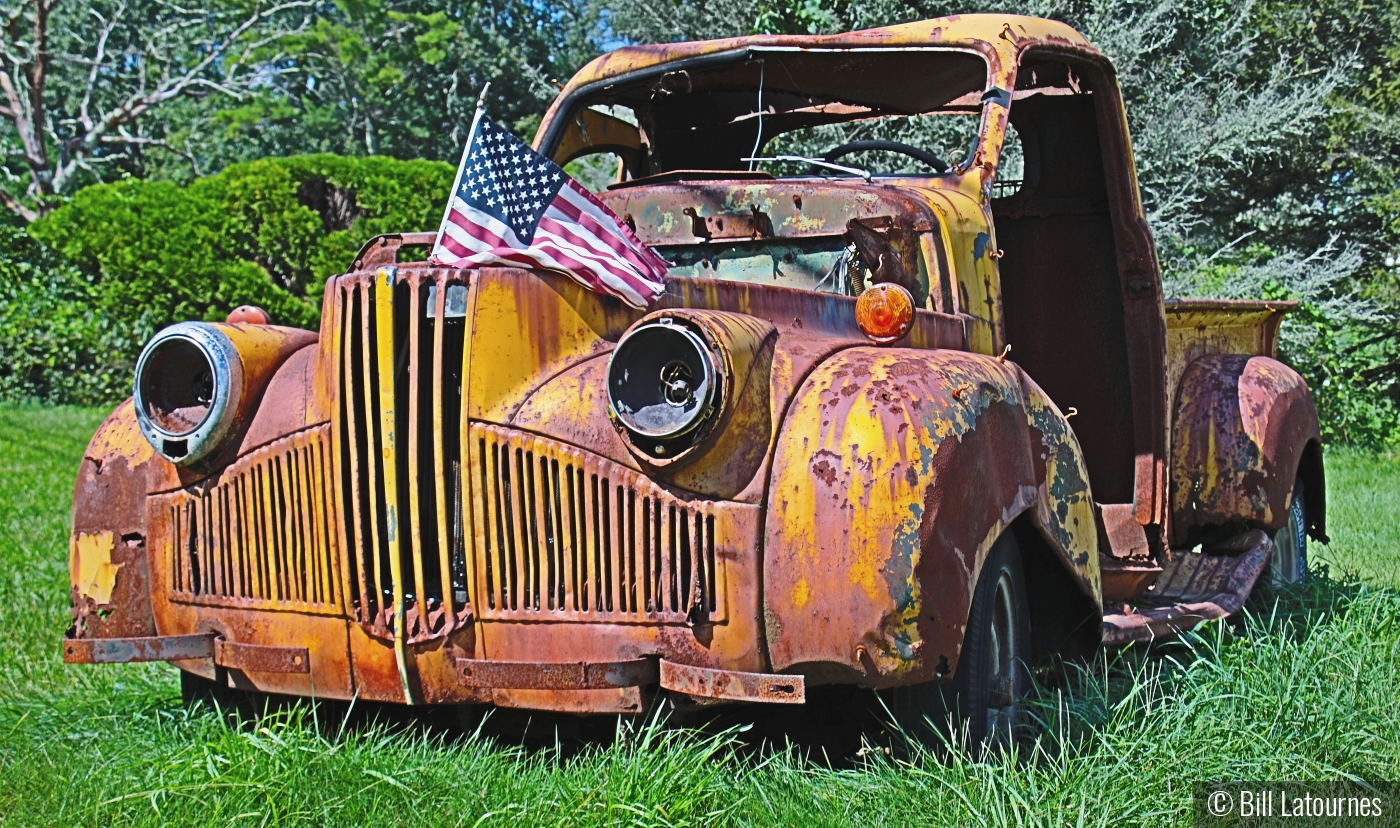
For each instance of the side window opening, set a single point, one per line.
(596, 171)
(603, 144)
(1011, 171)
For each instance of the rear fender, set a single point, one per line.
(894, 473)
(1243, 428)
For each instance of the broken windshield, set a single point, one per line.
(878, 111)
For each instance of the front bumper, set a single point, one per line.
(697, 682)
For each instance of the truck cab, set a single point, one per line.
(911, 413)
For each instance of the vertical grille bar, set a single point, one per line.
(374, 429)
(351, 439)
(415, 506)
(439, 312)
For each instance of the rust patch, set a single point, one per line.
(1241, 426)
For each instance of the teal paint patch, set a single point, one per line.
(979, 245)
(1066, 486)
(899, 568)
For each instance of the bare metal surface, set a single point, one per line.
(262, 658)
(733, 686)
(1242, 425)
(525, 675)
(125, 650)
(1194, 587)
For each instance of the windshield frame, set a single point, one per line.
(566, 108)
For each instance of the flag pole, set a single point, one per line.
(461, 165)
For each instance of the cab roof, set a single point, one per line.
(999, 37)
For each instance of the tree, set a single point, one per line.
(401, 77)
(79, 79)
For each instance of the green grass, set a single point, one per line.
(1302, 689)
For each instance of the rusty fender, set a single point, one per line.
(895, 472)
(108, 567)
(1244, 428)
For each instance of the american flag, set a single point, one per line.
(512, 206)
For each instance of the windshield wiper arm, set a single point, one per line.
(820, 162)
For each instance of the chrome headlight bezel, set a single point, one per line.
(673, 424)
(190, 445)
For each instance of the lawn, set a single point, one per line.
(1303, 688)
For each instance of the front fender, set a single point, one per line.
(894, 473)
(1241, 429)
(109, 569)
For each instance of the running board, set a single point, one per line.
(1194, 587)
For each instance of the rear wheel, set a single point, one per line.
(984, 700)
(1288, 561)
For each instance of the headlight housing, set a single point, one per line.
(663, 386)
(189, 386)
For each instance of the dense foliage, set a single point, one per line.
(1267, 136)
(97, 277)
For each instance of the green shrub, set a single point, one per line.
(56, 346)
(265, 232)
(120, 261)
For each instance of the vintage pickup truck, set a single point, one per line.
(911, 414)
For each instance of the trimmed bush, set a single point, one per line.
(120, 261)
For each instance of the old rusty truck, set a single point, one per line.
(911, 414)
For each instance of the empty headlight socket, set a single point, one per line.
(188, 391)
(198, 384)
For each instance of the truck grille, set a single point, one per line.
(557, 534)
(399, 339)
(260, 537)
(563, 535)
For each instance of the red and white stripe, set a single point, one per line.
(577, 235)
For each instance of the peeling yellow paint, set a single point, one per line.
(94, 573)
(120, 436)
(801, 594)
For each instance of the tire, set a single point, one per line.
(983, 703)
(1288, 560)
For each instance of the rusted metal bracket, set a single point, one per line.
(384, 249)
(732, 685)
(127, 650)
(260, 658)
(253, 657)
(577, 675)
(754, 224)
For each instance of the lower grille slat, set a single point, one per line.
(228, 548)
(591, 541)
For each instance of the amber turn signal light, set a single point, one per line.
(884, 312)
